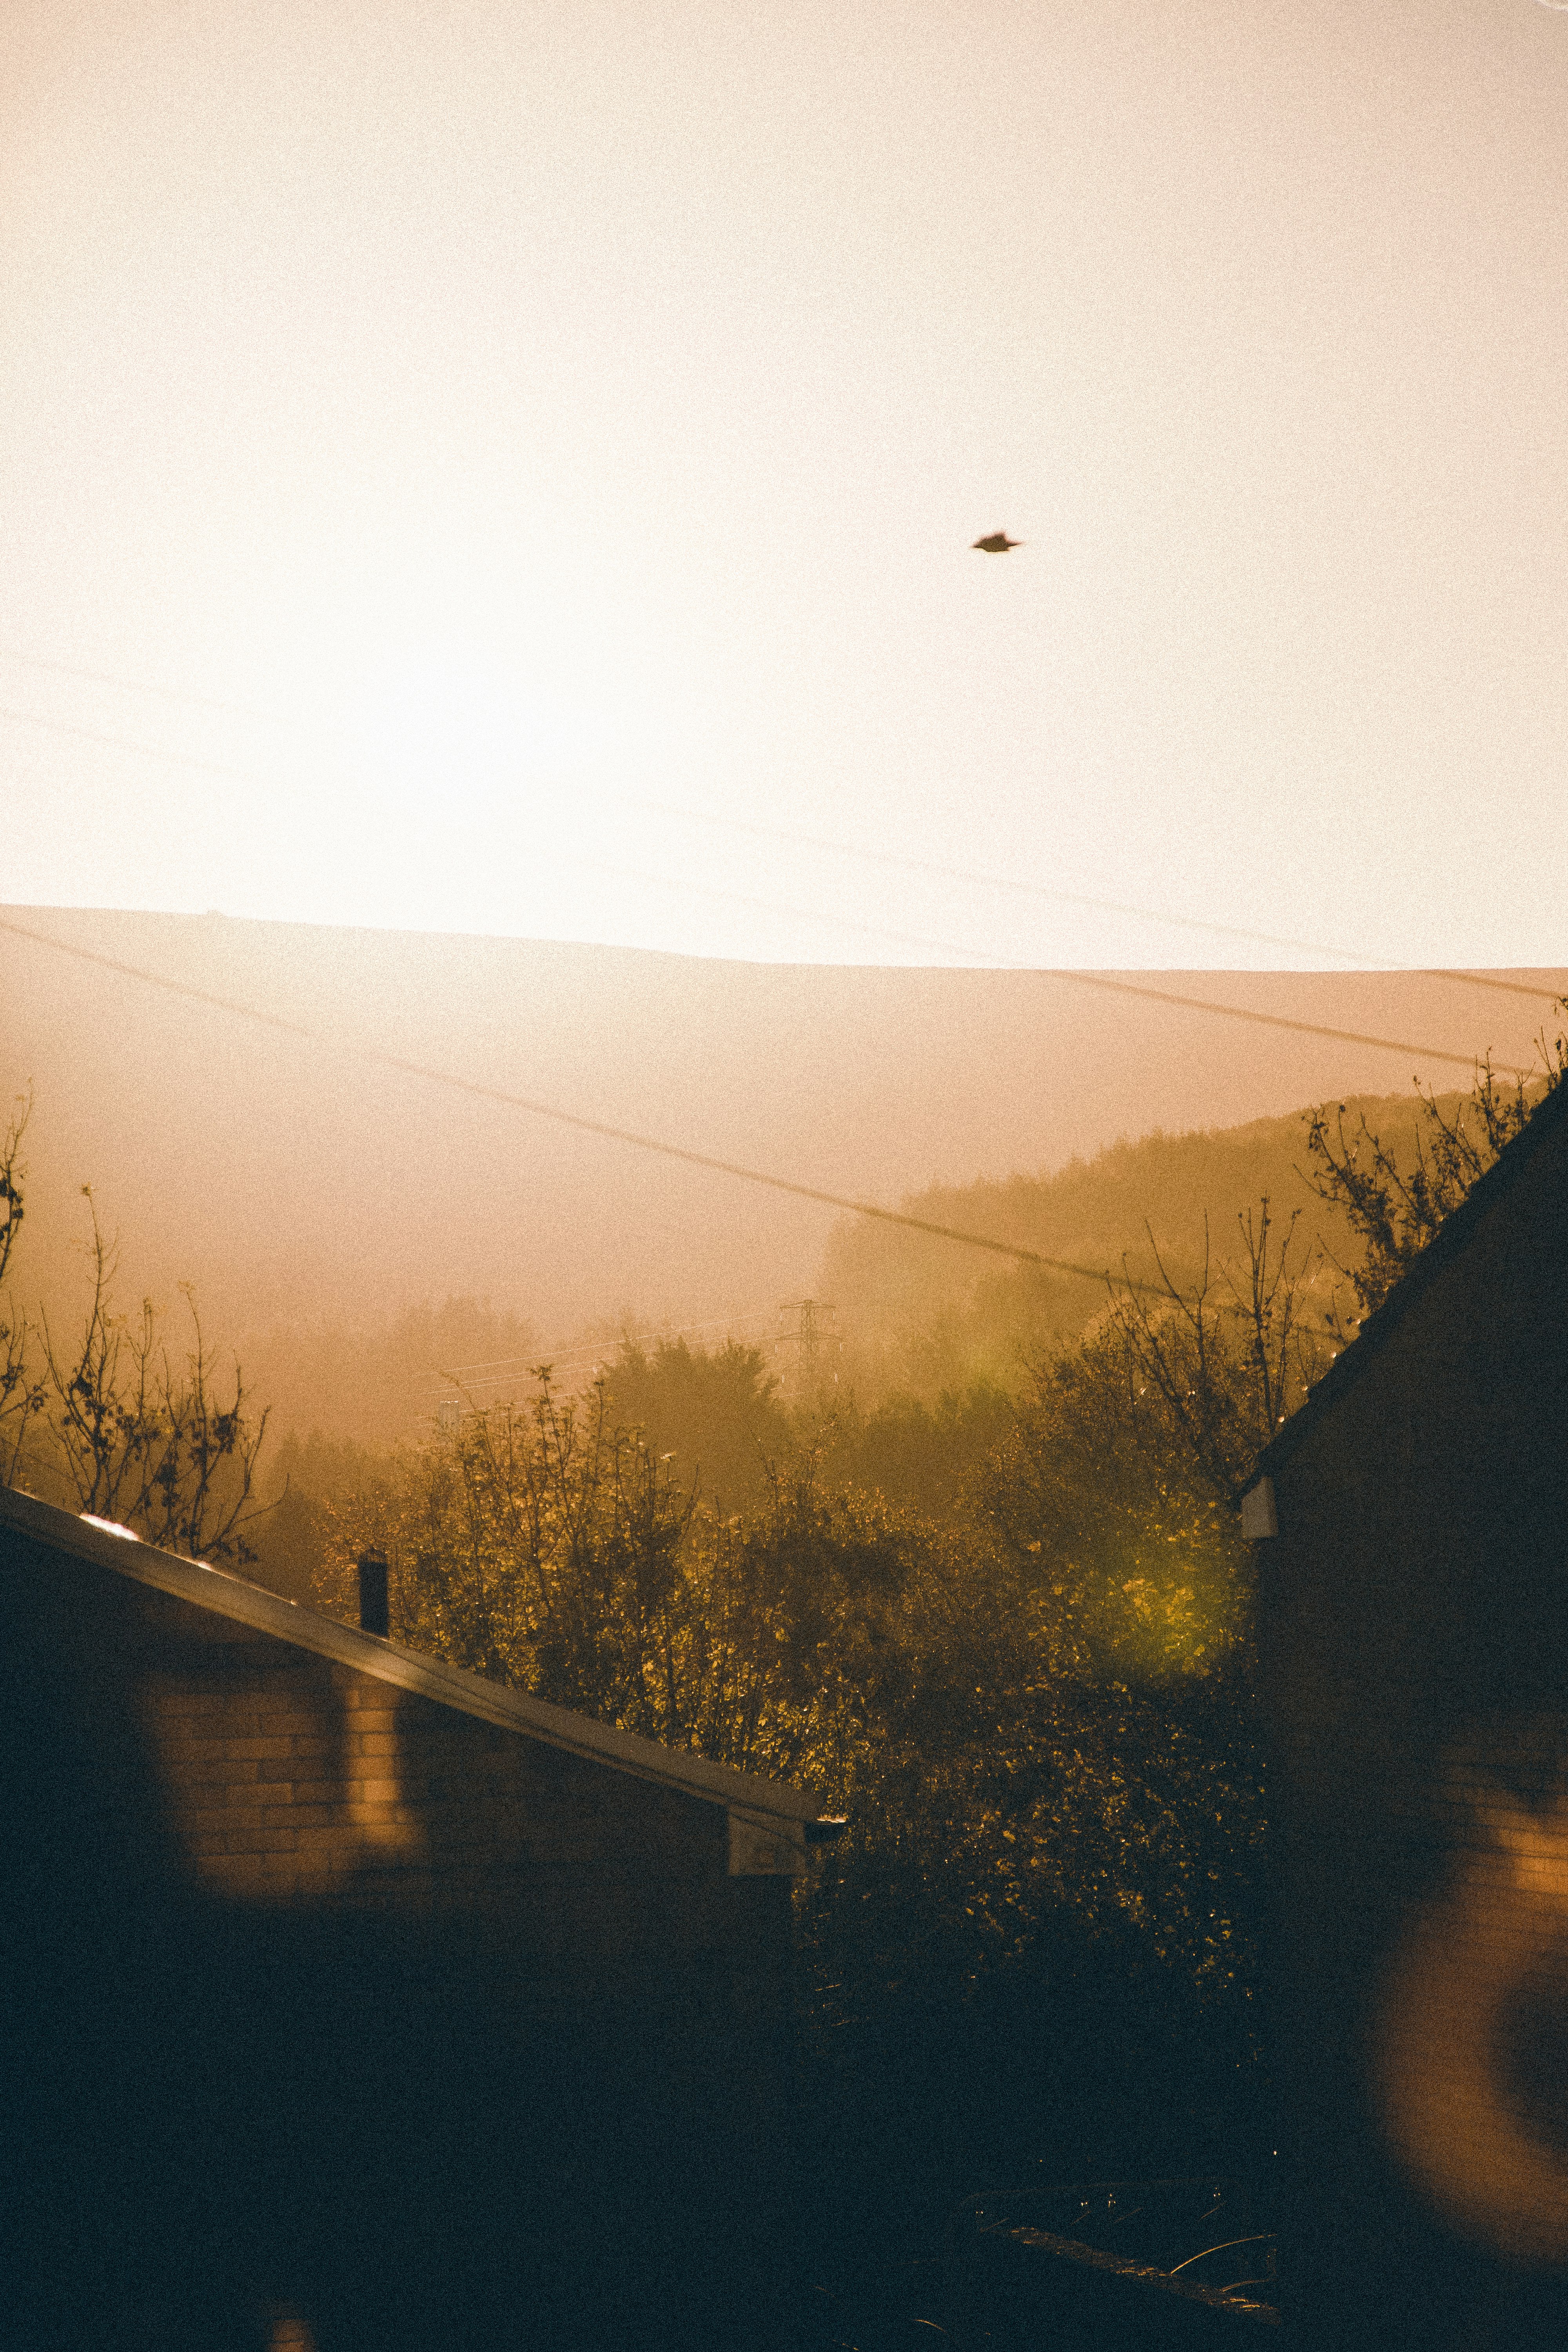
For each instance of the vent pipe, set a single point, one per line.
(373, 1617)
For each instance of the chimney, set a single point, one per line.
(373, 1609)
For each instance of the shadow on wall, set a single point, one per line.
(237, 2125)
(351, 1832)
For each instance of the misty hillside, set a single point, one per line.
(327, 1208)
(915, 1316)
(910, 1317)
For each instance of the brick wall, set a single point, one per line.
(290, 1780)
(343, 2000)
(1414, 1642)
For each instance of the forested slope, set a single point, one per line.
(916, 1315)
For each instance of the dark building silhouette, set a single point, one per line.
(352, 1995)
(1413, 1556)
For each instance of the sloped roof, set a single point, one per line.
(244, 1604)
(1452, 1237)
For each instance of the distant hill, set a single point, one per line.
(914, 1316)
(321, 1204)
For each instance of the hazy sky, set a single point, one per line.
(531, 413)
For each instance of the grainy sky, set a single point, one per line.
(525, 415)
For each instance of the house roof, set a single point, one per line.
(1452, 1237)
(230, 1596)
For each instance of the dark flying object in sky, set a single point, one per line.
(997, 542)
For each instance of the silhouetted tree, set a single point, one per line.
(110, 1419)
(1395, 1209)
(1206, 1375)
(714, 1413)
(22, 1395)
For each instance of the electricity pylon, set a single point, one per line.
(808, 1336)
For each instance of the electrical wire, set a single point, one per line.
(1079, 898)
(123, 743)
(495, 1390)
(584, 1347)
(648, 1143)
(476, 1088)
(130, 686)
(732, 1168)
(1075, 978)
(765, 831)
(1072, 977)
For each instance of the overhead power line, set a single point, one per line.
(499, 1388)
(1074, 979)
(661, 1146)
(129, 685)
(1079, 898)
(476, 1088)
(123, 743)
(891, 858)
(565, 1351)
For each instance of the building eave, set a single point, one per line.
(1451, 1239)
(241, 1602)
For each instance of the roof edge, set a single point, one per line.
(1451, 1237)
(244, 1604)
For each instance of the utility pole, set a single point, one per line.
(808, 1336)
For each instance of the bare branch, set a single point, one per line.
(1395, 1211)
(140, 1444)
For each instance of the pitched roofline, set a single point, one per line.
(1453, 1237)
(244, 1604)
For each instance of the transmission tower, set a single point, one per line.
(808, 1335)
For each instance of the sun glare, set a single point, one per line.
(447, 723)
(442, 779)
